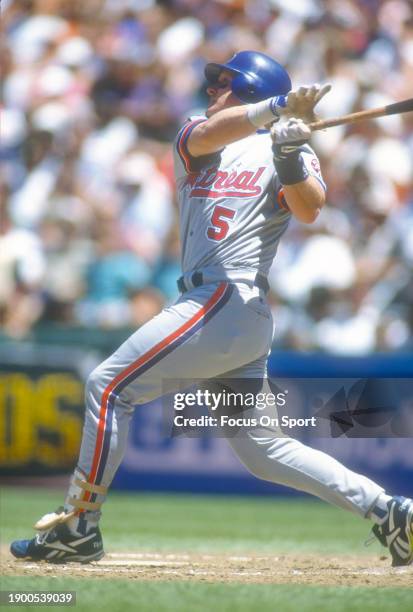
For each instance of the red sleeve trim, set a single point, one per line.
(281, 201)
(181, 145)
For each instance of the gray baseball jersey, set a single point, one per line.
(232, 209)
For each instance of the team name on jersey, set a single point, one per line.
(214, 183)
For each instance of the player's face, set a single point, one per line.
(220, 94)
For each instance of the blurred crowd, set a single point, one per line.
(93, 93)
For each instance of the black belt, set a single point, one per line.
(197, 279)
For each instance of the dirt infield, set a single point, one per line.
(307, 569)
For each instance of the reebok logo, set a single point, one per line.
(60, 546)
(392, 536)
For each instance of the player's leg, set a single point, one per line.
(202, 335)
(199, 337)
(286, 461)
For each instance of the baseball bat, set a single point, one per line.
(405, 106)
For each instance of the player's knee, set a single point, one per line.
(94, 384)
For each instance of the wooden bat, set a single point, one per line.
(405, 106)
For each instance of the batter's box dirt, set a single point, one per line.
(314, 569)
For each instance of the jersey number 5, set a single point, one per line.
(219, 226)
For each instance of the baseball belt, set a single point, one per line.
(197, 279)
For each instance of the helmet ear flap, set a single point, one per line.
(245, 87)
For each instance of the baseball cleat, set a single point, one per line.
(60, 545)
(396, 532)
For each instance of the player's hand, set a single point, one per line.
(287, 136)
(301, 101)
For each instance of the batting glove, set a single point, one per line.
(288, 136)
(301, 101)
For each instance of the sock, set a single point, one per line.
(379, 512)
(83, 523)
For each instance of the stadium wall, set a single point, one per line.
(41, 399)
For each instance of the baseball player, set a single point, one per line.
(239, 184)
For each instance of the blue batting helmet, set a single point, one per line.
(256, 76)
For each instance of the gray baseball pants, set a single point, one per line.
(220, 329)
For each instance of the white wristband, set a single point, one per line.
(263, 112)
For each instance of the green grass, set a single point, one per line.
(205, 523)
(183, 596)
